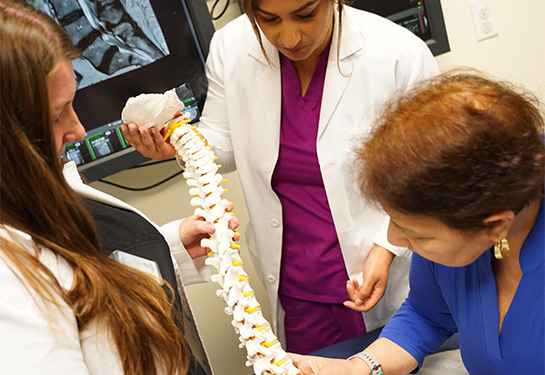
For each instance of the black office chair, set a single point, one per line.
(127, 231)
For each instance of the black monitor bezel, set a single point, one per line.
(439, 43)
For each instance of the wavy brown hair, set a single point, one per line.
(249, 9)
(37, 200)
(459, 148)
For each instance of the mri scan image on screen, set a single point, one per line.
(129, 47)
(114, 36)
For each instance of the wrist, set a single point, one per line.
(359, 366)
(370, 362)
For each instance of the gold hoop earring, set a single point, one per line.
(501, 249)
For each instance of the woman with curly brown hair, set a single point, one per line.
(459, 165)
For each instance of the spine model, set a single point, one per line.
(265, 353)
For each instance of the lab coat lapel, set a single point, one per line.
(269, 86)
(73, 179)
(338, 75)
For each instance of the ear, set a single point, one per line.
(498, 224)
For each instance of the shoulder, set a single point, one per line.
(235, 31)
(231, 43)
(235, 52)
(423, 270)
(56, 264)
(388, 50)
(370, 22)
(381, 34)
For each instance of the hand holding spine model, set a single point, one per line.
(201, 173)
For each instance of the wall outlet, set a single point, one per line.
(483, 19)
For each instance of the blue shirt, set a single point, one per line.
(444, 300)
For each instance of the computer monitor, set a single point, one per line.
(423, 17)
(128, 48)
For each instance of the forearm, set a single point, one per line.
(381, 239)
(393, 359)
(386, 256)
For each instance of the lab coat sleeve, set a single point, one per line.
(381, 239)
(191, 270)
(214, 122)
(424, 321)
(414, 66)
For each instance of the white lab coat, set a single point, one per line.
(38, 336)
(241, 119)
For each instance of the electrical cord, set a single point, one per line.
(155, 162)
(215, 18)
(145, 187)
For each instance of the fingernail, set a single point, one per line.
(132, 129)
(153, 131)
(359, 302)
(142, 131)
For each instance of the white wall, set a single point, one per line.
(516, 54)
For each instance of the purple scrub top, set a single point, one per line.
(312, 265)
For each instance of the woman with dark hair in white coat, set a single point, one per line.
(291, 83)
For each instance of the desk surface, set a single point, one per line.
(346, 348)
(445, 361)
